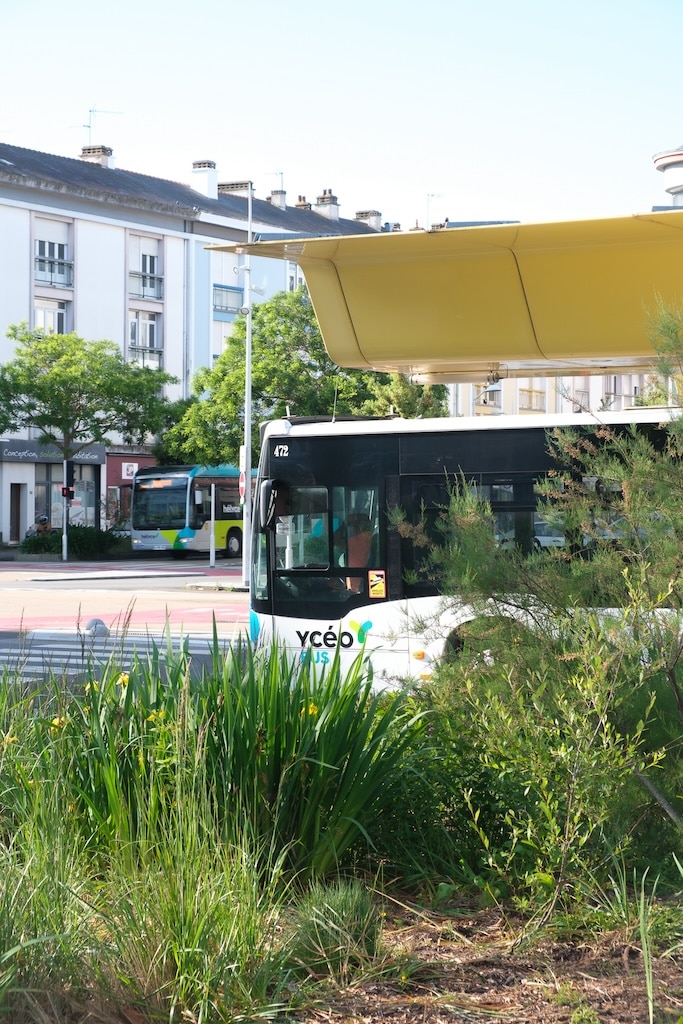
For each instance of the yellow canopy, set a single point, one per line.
(517, 300)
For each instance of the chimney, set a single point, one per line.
(278, 198)
(226, 187)
(301, 203)
(327, 205)
(102, 155)
(206, 179)
(373, 219)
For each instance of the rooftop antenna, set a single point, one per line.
(430, 196)
(91, 120)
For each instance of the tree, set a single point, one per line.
(291, 373)
(77, 392)
(566, 681)
(394, 393)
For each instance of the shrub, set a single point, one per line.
(83, 542)
(42, 543)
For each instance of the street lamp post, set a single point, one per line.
(246, 469)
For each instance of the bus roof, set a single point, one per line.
(451, 424)
(217, 471)
(516, 300)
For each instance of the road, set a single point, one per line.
(64, 617)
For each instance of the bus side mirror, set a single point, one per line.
(267, 503)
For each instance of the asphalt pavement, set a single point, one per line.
(141, 597)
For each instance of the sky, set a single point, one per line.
(459, 109)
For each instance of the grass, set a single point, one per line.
(334, 930)
(153, 828)
(194, 850)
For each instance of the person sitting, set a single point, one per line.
(358, 542)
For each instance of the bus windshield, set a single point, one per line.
(160, 503)
(325, 541)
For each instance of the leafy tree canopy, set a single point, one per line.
(77, 392)
(291, 371)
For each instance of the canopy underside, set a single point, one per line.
(509, 300)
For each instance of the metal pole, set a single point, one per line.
(212, 537)
(246, 511)
(65, 513)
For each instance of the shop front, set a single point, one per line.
(31, 483)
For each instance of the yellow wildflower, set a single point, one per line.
(56, 724)
(310, 709)
(123, 679)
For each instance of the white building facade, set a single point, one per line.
(112, 254)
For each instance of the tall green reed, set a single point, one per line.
(193, 920)
(303, 756)
(151, 825)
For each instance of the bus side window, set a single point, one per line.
(355, 526)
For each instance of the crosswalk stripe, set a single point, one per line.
(39, 655)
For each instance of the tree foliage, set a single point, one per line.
(291, 373)
(565, 688)
(76, 392)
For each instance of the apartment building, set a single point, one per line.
(110, 253)
(569, 394)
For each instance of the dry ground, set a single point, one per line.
(468, 969)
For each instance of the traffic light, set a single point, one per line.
(68, 488)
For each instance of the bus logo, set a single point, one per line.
(361, 630)
(329, 638)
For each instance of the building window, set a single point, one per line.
(294, 277)
(531, 400)
(49, 315)
(83, 510)
(144, 277)
(52, 267)
(144, 344)
(146, 283)
(227, 299)
(614, 391)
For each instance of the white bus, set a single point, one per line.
(330, 569)
(171, 510)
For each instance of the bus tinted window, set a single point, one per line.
(160, 504)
